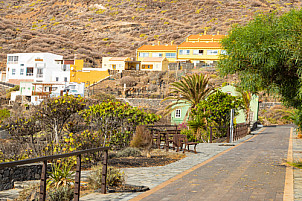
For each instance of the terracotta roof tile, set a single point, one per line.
(158, 47)
(201, 44)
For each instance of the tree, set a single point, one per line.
(55, 113)
(191, 89)
(246, 101)
(266, 54)
(115, 121)
(218, 106)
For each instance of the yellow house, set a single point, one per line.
(206, 53)
(157, 51)
(154, 64)
(89, 76)
(114, 63)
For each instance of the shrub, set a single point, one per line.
(190, 134)
(129, 151)
(114, 177)
(62, 193)
(142, 138)
(60, 175)
(4, 113)
(129, 81)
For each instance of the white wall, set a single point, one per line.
(25, 60)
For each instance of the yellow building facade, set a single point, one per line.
(157, 51)
(89, 76)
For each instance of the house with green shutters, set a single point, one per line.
(178, 115)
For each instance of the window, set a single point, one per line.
(143, 54)
(13, 71)
(21, 64)
(150, 66)
(29, 71)
(223, 52)
(113, 66)
(171, 55)
(22, 71)
(184, 52)
(39, 72)
(65, 79)
(157, 54)
(13, 59)
(177, 113)
(198, 52)
(120, 65)
(212, 52)
(57, 79)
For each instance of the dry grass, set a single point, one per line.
(80, 27)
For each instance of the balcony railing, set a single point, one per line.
(39, 76)
(29, 74)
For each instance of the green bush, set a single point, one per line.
(62, 193)
(4, 113)
(114, 177)
(190, 134)
(60, 175)
(129, 151)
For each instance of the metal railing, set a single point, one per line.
(44, 159)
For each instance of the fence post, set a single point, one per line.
(228, 134)
(104, 172)
(211, 135)
(77, 182)
(42, 195)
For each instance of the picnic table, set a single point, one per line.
(171, 138)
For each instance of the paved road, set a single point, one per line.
(251, 171)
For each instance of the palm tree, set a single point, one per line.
(190, 90)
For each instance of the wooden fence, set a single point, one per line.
(42, 194)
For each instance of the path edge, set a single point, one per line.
(179, 176)
(289, 175)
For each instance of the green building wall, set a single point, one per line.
(240, 118)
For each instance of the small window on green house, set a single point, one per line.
(177, 113)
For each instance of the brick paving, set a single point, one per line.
(253, 171)
(153, 176)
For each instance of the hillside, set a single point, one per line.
(92, 29)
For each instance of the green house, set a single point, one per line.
(178, 115)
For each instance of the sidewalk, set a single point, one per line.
(153, 176)
(297, 156)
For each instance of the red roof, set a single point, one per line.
(201, 44)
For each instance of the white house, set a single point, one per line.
(36, 67)
(114, 63)
(35, 92)
(154, 64)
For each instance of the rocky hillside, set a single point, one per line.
(91, 29)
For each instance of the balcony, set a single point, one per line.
(39, 76)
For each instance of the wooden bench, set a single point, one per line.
(181, 140)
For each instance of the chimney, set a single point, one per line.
(198, 39)
(158, 42)
(217, 32)
(205, 32)
(172, 42)
(187, 39)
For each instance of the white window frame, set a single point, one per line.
(178, 113)
(13, 71)
(143, 54)
(156, 54)
(170, 55)
(212, 52)
(197, 52)
(21, 71)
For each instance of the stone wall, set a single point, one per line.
(268, 105)
(19, 173)
(183, 66)
(153, 104)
